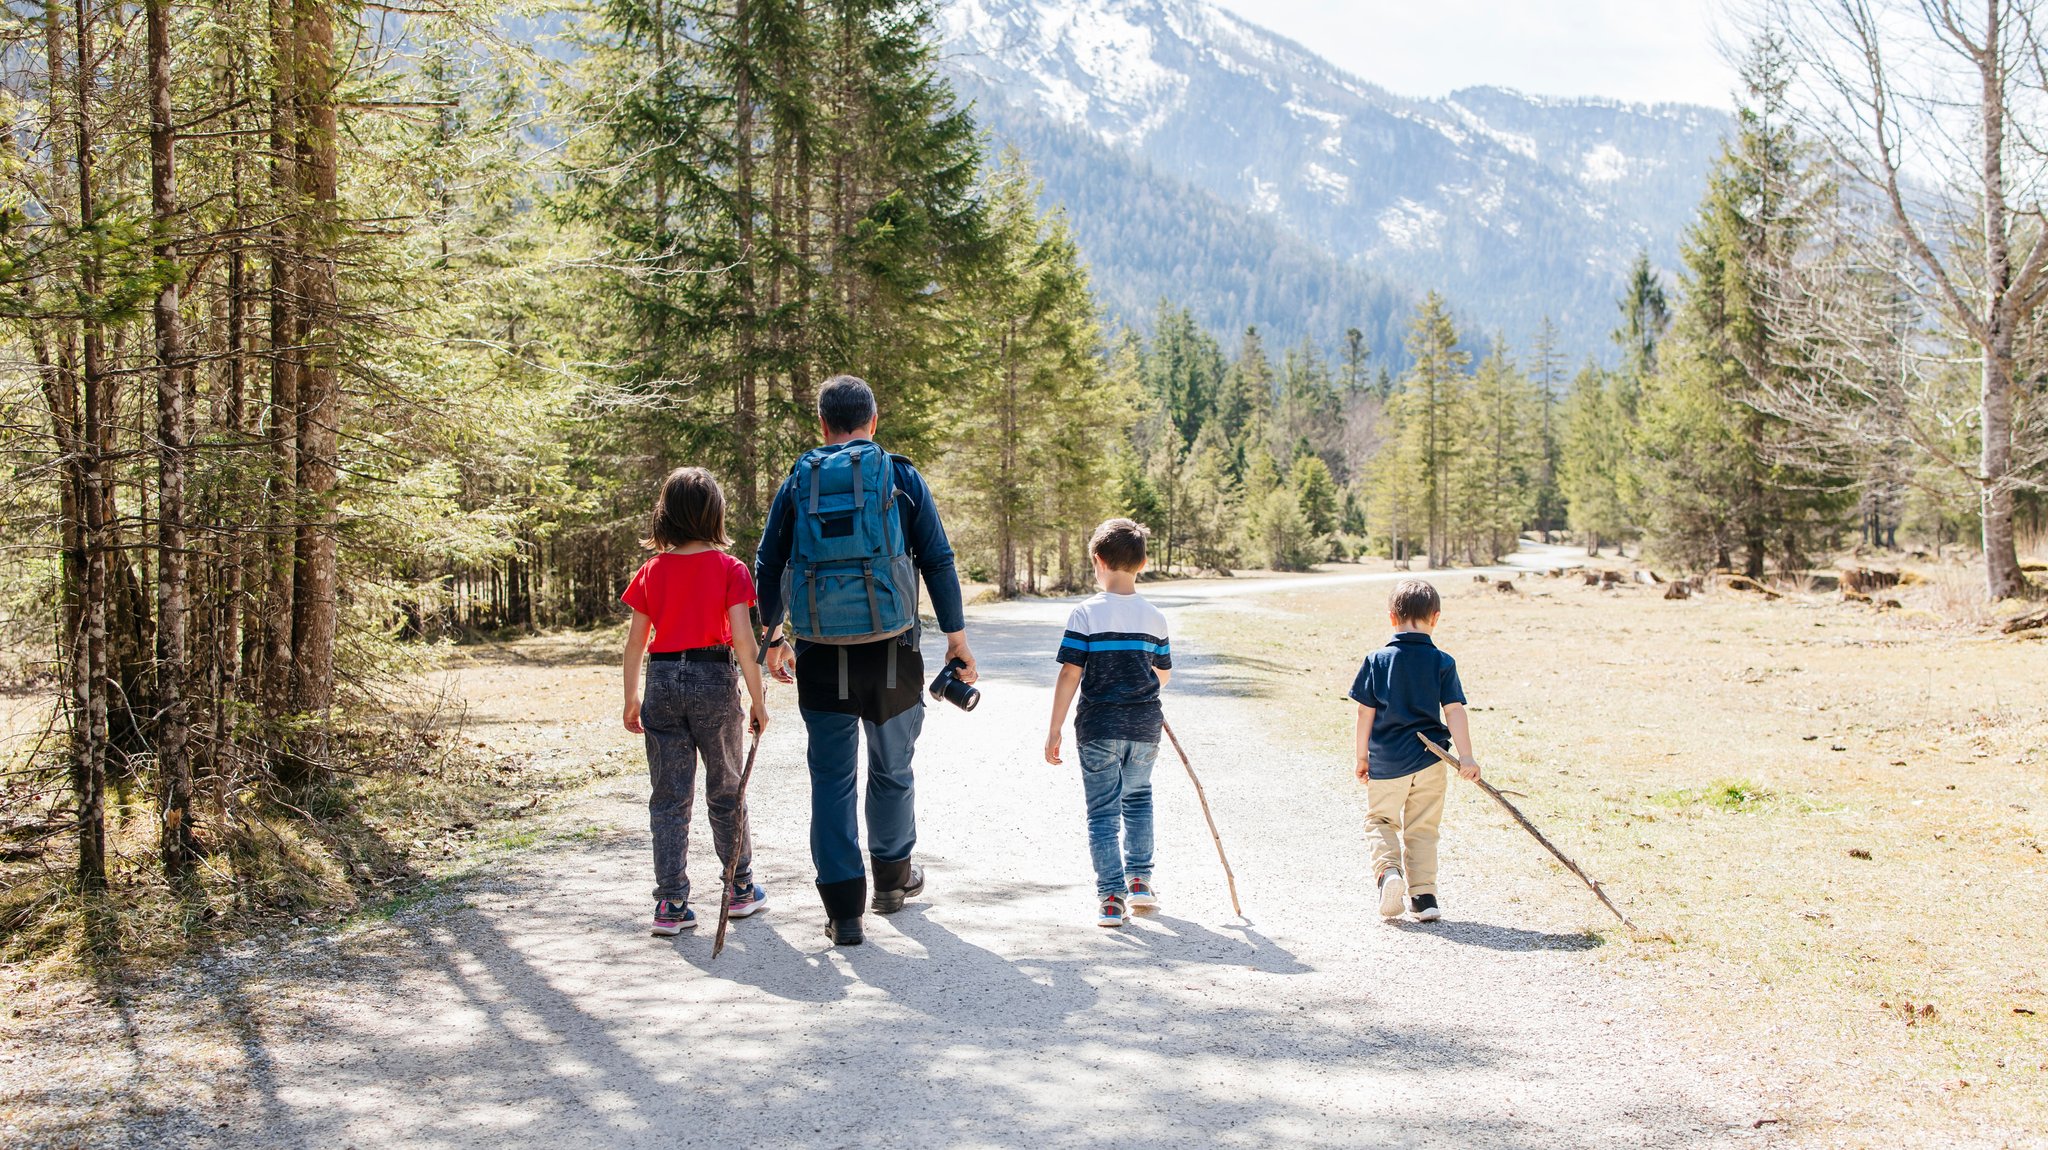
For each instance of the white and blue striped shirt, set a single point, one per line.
(1118, 641)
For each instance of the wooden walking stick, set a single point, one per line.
(1192, 777)
(1523, 819)
(732, 864)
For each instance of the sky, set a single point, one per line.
(1638, 50)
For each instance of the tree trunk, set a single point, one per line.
(89, 754)
(2001, 557)
(314, 588)
(281, 538)
(173, 725)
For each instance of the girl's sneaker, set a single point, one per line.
(749, 899)
(1113, 913)
(672, 917)
(1143, 894)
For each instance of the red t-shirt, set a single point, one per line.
(687, 597)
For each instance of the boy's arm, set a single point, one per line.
(1362, 741)
(636, 645)
(1461, 738)
(1062, 696)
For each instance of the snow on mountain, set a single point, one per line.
(1514, 206)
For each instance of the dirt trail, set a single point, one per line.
(532, 1006)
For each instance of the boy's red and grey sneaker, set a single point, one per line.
(1143, 894)
(1393, 894)
(672, 917)
(1424, 908)
(1113, 912)
(746, 900)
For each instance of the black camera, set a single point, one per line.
(948, 686)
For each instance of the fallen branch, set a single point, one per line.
(1227, 876)
(1523, 819)
(740, 840)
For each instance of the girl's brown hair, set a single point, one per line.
(690, 509)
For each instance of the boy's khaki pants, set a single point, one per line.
(1402, 816)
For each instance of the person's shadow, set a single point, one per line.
(1493, 937)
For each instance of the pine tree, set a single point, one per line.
(1546, 371)
(1715, 464)
(1430, 400)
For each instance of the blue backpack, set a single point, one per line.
(850, 578)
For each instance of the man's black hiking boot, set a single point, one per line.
(895, 882)
(842, 909)
(1424, 908)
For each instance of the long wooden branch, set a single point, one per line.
(1494, 792)
(732, 863)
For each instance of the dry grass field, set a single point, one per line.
(1828, 821)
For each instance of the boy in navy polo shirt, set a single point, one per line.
(1405, 688)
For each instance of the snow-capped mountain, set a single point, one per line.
(1514, 206)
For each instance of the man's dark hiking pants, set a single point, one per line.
(876, 690)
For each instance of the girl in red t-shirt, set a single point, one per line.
(690, 619)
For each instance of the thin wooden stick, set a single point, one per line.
(1523, 819)
(1218, 839)
(732, 864)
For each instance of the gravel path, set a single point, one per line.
(532, 1008)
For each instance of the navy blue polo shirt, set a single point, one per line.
(1407, 683)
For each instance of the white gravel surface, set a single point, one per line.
(533, 1009)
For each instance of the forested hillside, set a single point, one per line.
(1515, 206)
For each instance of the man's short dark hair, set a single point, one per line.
(846, 404)
(1120, 544)
(1414, 601)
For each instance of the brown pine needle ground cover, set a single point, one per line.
(1828, 821)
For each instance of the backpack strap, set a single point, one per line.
(815, 462)
(867, 571)
(890, 683)
(858, 460)
(843, 692)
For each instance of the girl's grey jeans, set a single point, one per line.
(690, 710)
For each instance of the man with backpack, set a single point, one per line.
(849, 533)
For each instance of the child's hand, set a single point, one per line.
(1468, 769)
(1362, 770)
(1052, 748)
(633, 717)
(757, 718)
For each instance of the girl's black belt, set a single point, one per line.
(693, 655)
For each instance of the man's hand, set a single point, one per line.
(782, 663)
(956, 648)
(1052, 747)
(1362, 770)
(1468, 769)
(633, 717)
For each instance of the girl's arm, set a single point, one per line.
(1461, 738)
(1062, 695)
(636, 645)
(746, 651)
(1363, 740)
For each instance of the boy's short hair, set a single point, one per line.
(846, 404)
(690, 509)
(1414, 601)
(1120, 544)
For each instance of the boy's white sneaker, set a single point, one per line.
(1393, 894)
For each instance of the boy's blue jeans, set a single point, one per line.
(1117, 777)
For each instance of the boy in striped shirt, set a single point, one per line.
(1115, 654)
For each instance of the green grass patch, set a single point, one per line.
(1721, 795)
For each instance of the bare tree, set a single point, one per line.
(1933, 107)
